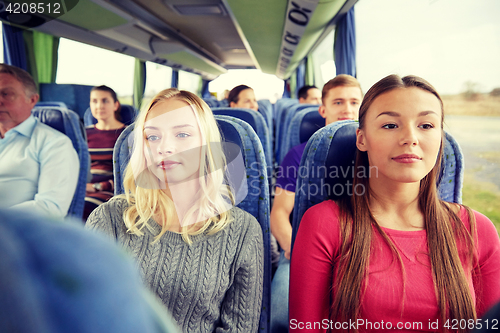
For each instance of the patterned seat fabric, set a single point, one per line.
(68, 122)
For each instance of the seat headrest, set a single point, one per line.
(52, 117)
(340, 161)
(310, 124)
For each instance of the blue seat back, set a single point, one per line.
(69, 123)
(127, 113)
(212, 102)
(266, 109)
(121, 156)
(282, 110)
(289, 113)
(303, 125)
(257, 200)
(52, 104)
(329, 159)
(75, 96)
(254, 119)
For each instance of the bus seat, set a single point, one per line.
(127, 112)
(282, 103)
(258, 123)
(75, 96)
(288, 114)
(266, 109)
(332, 150)
(212, 102)
(280, 107)
(302, 126)
(257, 200)
(52, 104)
(68, 122)
(121, 156)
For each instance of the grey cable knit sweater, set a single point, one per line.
(212, 285)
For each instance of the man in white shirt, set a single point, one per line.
(38, 164)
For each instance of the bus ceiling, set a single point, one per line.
(205, 37)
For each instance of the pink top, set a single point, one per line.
(315, 254)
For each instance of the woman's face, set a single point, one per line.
(172, 142)
(102, 105)
(246, 99)
(402, 135)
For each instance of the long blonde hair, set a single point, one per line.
(147, 200)
(446, 232)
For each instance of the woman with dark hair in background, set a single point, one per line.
(243, 96)
(101, 138)
(395, 256)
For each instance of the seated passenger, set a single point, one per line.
(341, 97)
(38, 165)
(203, 258)
(59, 278)
(242, 96)
(394, 254)
(101, 138)
(309, 95)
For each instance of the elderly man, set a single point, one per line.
(38, 165)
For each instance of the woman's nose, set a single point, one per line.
(409, 136)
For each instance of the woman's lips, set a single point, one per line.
(168, 165)
(407, 158)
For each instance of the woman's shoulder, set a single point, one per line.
(325, 209)
(241, 219)
(109, 211)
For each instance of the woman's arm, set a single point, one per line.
(241, 307)
(311, 270)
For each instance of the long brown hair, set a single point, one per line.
(445, 232)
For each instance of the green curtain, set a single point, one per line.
(139, 82)
(309, 71)
(293, 85)
(42, 55)
(46, 50)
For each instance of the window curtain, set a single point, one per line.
(345, 45)
(139, 82)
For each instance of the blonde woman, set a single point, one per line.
(203, 258)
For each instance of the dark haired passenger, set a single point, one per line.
(38, 164)
(201, 255)
(101, 138)
(243, 96)
(396, 254)
(341, 97)
(309, 95)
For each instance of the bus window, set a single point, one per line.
(79, 63)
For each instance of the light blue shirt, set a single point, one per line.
(38, 169)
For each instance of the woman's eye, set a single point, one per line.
(426, 126)
(390, 126)
(152, 137)
(183, 135)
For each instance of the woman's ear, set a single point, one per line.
(361, 140)
(232, 104)
(117, 105)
